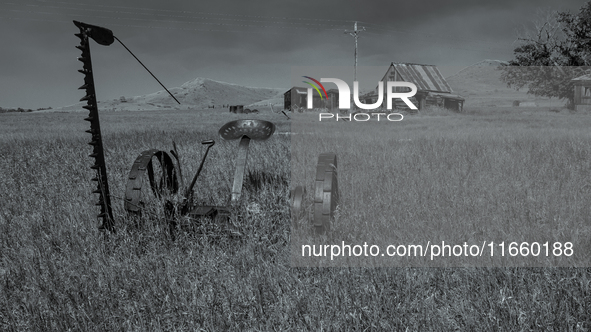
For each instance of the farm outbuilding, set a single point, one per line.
(297, 97)
(333, 99)
(432, 88)
(582, 86)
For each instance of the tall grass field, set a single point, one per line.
(491, 174)
(514, 182)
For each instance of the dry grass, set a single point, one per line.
(57, 272)
(442, 176)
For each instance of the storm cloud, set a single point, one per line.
(254, 43)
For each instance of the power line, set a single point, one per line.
(174, 21)
(386, 28)
(135, 10)
(268, 27)
(169, 21)
(267, 31)
(194, 12)
(192, 18)
(303, 23)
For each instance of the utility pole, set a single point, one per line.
(355, 34)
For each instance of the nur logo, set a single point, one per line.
(310, 104)
(345, 93)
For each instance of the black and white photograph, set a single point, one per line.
(295, 165)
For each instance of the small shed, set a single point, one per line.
(432, 88)
(582, 86)
(297, 97)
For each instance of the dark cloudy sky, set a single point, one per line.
(254, 42)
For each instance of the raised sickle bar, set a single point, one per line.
(104, 37)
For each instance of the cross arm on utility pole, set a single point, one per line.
(355, 31)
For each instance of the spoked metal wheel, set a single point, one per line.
(151, 182)
(326, 193)
(298, 203)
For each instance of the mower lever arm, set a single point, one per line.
(189, 191)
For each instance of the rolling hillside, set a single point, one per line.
(481, 85)
(197, 94)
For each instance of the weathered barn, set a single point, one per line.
(333, 99)
(432, 88)
(582, 86)
(297, 97)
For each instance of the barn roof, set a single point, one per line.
(425, 77)
(299, 90)
(586, 77)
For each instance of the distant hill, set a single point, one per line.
(481, 77)
(197, 94)
(481, 85)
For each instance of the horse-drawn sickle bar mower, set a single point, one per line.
(163, 175)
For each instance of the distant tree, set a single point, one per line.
(555, 49)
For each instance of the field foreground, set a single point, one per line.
(58, 272)
(513, 185)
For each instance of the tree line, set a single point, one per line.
(552, 51)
